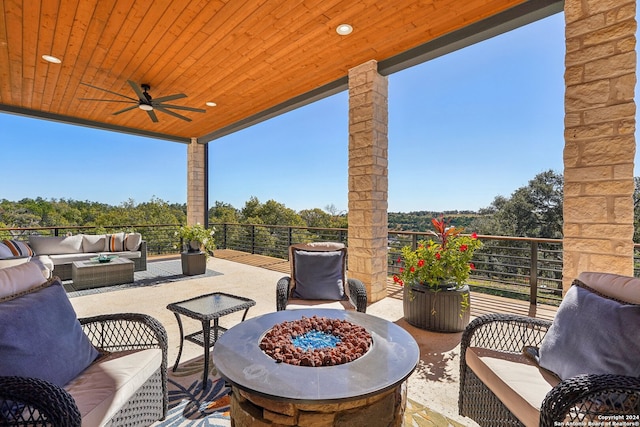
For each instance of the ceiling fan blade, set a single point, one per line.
(170, 97)
(137, 90)
(125, 110)
(109, 91)
(153, 116)
(104, 100)
(171, 113)
(180, 107)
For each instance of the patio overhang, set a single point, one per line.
(255, 60)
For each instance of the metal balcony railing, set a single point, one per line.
(517, 267)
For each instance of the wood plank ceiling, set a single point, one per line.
(251, 57)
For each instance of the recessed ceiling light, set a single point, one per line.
(211, 104)
(344, 29)
(51, 59)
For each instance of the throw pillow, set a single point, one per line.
(319, 275)
(42, 338)
(19, 278)
(114, 242)
(18, 248)
(5, 252)
(132, 241)
(93, 243)
(592, 334)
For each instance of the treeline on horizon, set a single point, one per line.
(534, 210)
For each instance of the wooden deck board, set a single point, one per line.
(480, 303)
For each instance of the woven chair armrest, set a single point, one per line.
(282, 293)
(32, 401)
(504, 332)
(591, 398)
(143, 255)
(125, 331)
(357, 294)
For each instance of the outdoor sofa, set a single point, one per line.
(582, 369)
(107, 370)
(57, 253)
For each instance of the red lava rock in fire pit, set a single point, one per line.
(354, 342)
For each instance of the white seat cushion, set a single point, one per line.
(516, 380)
(105, 386)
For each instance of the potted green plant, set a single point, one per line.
(196, 238)
(434, 275)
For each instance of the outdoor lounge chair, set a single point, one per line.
(58, 370)
(582, 369)
(318, 279)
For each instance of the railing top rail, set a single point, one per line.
(295, 227)
(483, 236)
(85, 227)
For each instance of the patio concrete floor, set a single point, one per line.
(433, 383)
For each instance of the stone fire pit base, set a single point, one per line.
(383, 409)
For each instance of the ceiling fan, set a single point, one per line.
(146, 102)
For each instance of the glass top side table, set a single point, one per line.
(206, 308)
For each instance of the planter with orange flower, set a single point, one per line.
(436, 296)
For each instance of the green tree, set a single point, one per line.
(534, 210)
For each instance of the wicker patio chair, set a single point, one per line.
(579, 399)
(323, 279)
(46, 404)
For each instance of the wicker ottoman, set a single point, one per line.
(91, 274)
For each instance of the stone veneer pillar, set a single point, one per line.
(600, 147)
(196, 183)
(368, 178)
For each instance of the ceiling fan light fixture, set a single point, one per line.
(344, 29)
(210, 104)
(145, 107)
(52, 59)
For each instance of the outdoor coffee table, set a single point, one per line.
(92, 273)
(206, 308)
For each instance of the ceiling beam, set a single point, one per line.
(88, 123)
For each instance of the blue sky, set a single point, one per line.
(463, 128)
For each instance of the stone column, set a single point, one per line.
(368, 178)
(600, 147)
(196, 183)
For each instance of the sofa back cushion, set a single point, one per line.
(623, 288)
(20, 278)
(18, 248)
(93, 242)
(41, 336)
(52, 245)
(5, 252)
(592, 334)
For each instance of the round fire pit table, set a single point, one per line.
(370, 390)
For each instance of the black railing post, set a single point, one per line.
(224, 238)
(253, 239)
(290, 237)
(414, 242)
(533, 274)
(55, 231)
